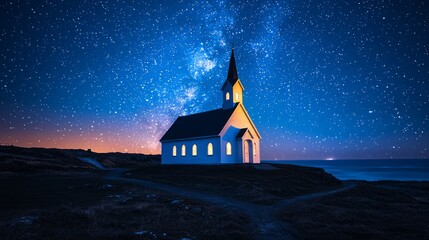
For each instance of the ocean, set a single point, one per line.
(370, 170)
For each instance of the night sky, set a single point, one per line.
(323, 79)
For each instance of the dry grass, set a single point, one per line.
(243, 181)
(369, 211)
(18, 159)
(102, 210)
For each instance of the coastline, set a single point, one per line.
(369, 169)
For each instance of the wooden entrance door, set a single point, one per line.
(246, 151)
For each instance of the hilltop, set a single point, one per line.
(19, 159)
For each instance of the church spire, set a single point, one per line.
(232, 89)
(232, 70)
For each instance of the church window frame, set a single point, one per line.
(174, 151)
(228, 150)
(194, 150)
(236, 96)
(209, 149)
(183, 150)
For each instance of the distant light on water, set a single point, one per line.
(329, 159)
(370, 170)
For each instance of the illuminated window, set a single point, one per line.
(228, 148)
(210, 149)
(254, 149)
(227, 96)
(183, 150)
(236, 96)
(194, 150)
(174, 151)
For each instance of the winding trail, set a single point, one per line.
(93, 162)
(262, 217)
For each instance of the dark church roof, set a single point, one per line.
(232, 77)
(241, 133)
(199, 125)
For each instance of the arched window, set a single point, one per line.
(183, 150)
(236, 96)
(174, 151)
(194, 150)
(210, 149)
(254, 149)
(227, 96)
(228, 148)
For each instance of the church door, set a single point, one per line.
(248, 151)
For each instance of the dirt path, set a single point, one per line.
(263, 217)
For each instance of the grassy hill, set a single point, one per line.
(244, 182)
(18, 159)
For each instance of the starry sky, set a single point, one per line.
(323, 79)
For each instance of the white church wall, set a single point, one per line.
(201, 158)
(230, 136)
(240, 147)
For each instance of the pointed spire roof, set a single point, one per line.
(232, 71)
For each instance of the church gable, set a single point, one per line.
(240, 119)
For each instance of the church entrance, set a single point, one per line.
(248, 157)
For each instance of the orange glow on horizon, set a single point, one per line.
(75, 141)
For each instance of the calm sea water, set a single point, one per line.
(371, 170)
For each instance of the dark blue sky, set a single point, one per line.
(323, 79)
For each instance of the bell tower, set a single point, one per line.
(232, 89)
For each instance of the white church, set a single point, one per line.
(222, 136)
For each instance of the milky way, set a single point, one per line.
(323, 79)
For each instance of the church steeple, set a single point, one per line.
(232, 70)
(232, 88)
